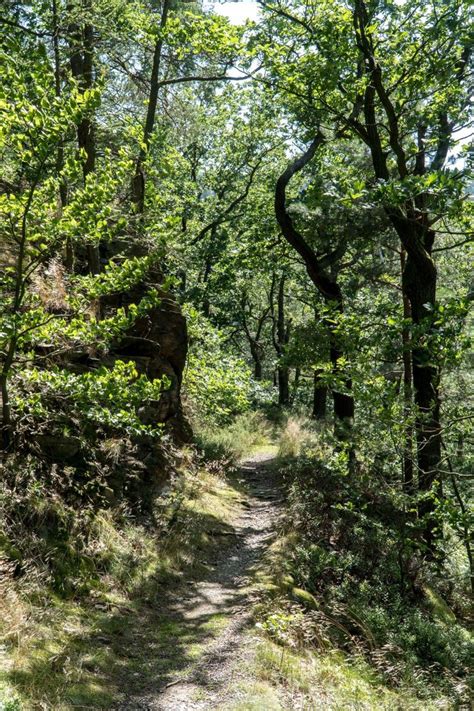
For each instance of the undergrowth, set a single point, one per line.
(231, 442)
(345, 577)
(289, 677)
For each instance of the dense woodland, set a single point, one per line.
(220, 236)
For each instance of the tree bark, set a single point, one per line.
(63, 196)
(407, 465)
(319, 398)
(283, 336)
(283, 387)
(257, 363)
(411, 222)
(138, 182)
(296, 384)
(208, 264)
(328, 287)
(254, 338)
(419, 283)
(7, 424)
(82, 67)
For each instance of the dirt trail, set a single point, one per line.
(227, 592)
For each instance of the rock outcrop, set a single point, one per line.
(133, 467)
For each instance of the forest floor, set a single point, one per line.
(188, 640)
(212, 615)
(212, 657)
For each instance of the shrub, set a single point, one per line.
(291, 439)
(301, 436)
(347, 546)
(217, 384)
(233, 442)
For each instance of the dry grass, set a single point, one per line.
(329, 681)
(290, 439)
(50, 286)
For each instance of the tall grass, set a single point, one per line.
(232, 442)
(299, 435)
(291, 438)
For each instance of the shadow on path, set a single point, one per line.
(199, 625)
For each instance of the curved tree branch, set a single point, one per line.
(315, 270)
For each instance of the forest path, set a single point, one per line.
(222, 602)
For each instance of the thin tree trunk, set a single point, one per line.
(319, 398)
(408, 474)
(20, 286)
(256, 350)
(82, 67)
(282, 339)
(296, 384)
(5, 393)
(63, 196)
(138, 182)
(206, 304)
(257, 363)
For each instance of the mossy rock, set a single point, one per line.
(305, 598)
(287, 582)
(271, 588)
(439, 608)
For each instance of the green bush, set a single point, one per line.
(234, 441)
(10, 705)
(349, 548)
(217, 384)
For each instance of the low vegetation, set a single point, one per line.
(343, 588)
(231, 443)
(287, 676)
(81, 646)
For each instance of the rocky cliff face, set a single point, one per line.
(128, 467)
(158, 344)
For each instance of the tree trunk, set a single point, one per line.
(257, 362)
(296, 384)
(343, 402)
(407, 465)
(319, 398)
(7, 425)
(256, 349)
(206, 304)
(327, 286)
(138, 182)
(412, 224)
(82, 67)
(283, 387)
(419, 283)
(282, 340)
(63, 196)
